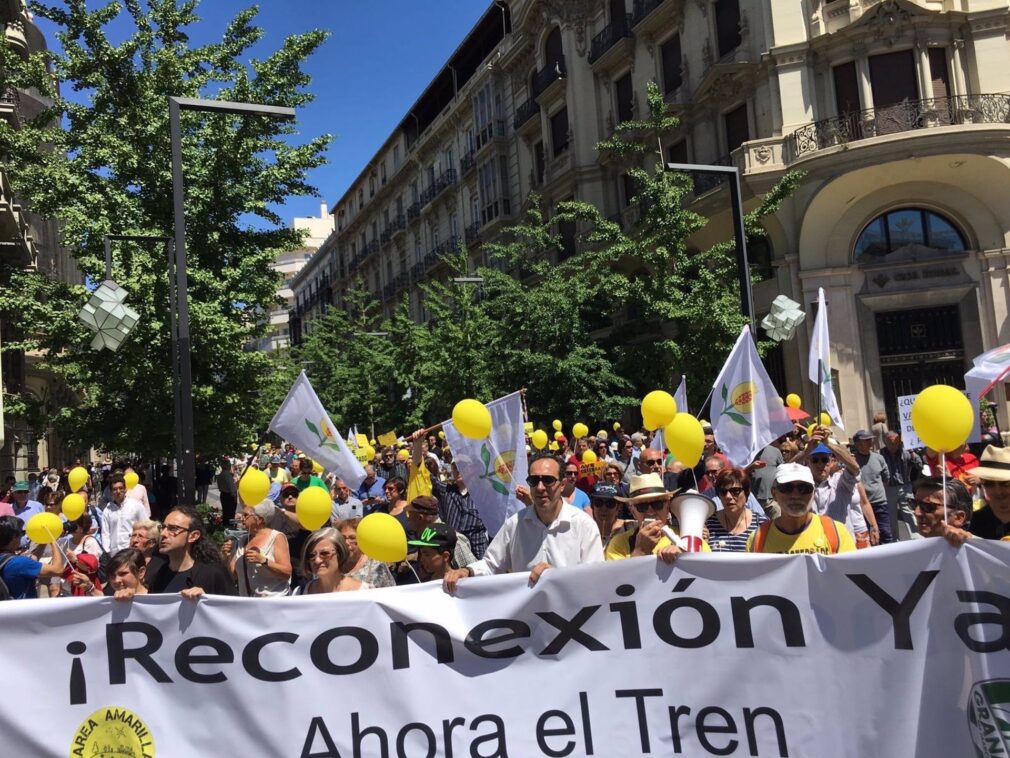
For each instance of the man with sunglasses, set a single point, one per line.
(993, 521)
(548, 533)
(933, 518)
(652, 461)
(798, 529)
(835, 494)
(649, 501)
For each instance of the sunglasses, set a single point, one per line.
(603, 503)
(926, 507)
(820, 458)
(734, 491)
(652, 461)
(535, 481)
(654, 505)
(789, 487)
(571, 473)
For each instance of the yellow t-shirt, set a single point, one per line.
(810, 540)
(281, 477)
(418, 482)
(621, 545)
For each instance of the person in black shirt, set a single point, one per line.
(993, 521)
(189, 563)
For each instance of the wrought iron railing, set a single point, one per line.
(445, 180)
(549, 74)
(468, 162)
(643, 8)
(902, 117)
(612, 33)
(413, 210)
(525, 112)
(704, 182)
(472, 233)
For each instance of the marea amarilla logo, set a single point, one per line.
(738, 402)
(498, 475)
(989, 718)
(113, 732)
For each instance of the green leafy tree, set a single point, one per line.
(109, 171)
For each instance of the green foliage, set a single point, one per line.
(109, 172)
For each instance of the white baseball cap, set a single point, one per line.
(793, 472)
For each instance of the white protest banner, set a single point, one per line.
(302, 421)
(492, 467)
(896, 651)
(909, 437)
(751, 413)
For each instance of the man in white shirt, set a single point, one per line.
(119, 516)
(548, 533)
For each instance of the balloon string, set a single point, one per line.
(943, 475)
(411, 567)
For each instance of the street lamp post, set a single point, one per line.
(739, 232)
(184, 403)
(173, 329)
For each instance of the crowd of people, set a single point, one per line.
(806, 492)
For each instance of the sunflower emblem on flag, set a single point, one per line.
(499, 475)
(327, 437)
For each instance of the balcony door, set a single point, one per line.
(895, 92)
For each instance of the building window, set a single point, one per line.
(625, 93)
(904, 233)
(627, 189)
(396, 157)
(737, 128)
(759, 256)
(672, 56)
(727, 26)
(539, 162)
(677, 152)
(559, 132)
(382, 172)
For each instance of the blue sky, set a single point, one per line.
(379, 57)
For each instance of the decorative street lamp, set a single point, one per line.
(782, 321)
(107, 315)
(180, 310)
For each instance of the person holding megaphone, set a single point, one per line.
(650, 504)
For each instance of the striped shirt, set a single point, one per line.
(457, 511)
(721, 541)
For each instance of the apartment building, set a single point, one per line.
(896, 112)
(29, 242)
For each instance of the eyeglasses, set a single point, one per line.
(789, 487)
(820, 458)
(927, 507)
(603, 503)
(325, 555)
(175, 529)
(734, 491)
(712, 473)
(654, 505)
(535, 481)
(571, 473)
(652, 461)
(991, 485)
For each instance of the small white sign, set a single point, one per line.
(908, 436)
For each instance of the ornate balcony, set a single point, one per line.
(704, 182)
(613, 33)
(398, 223)
(467, 163)
(472, 234)
(902, 117)
(437, 187)
(549, 74)
(525, 112)
(413, 211)
(642, 9)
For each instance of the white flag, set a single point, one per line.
(680, 396)
(302, 421)
(352, 441)
(493, 466)
(820, 355)
(746, 411)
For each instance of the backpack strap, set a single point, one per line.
(830, 532)
(760, 536)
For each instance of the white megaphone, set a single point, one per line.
(692, 509)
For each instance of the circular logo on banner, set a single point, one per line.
(113, 731)
(989, 717)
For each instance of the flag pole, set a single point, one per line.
(820, 385)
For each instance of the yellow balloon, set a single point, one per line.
(539, 439)
(77, 477)
(316, 468)
(471, 419)
(580, 430)
(602, 435)
(617, 425)
(372, 443)
(381, 538)
(441, 434)
(369, 453)
(253, 487)
(313, 508)
(556, 423)
(793, 400)
(658, 409)
(131, 479)
(558, 436)
(554, 447)
(73, 506)
(589, 458)
(942, 417)
(825, 419)
(403, 455)
(685, 438)
(43, 528)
